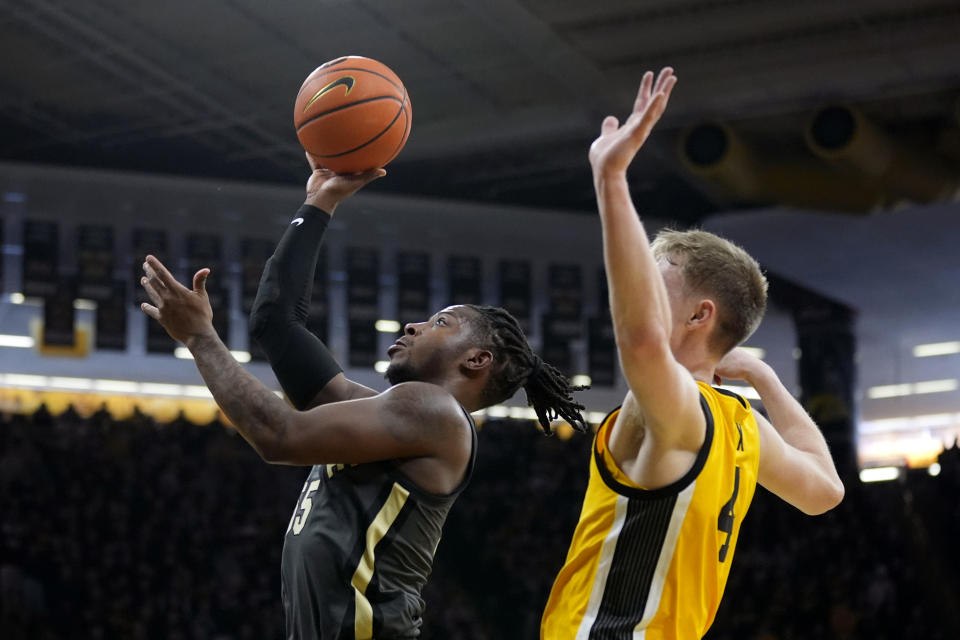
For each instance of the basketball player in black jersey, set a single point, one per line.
(386, 467)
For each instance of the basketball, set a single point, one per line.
(352, 114)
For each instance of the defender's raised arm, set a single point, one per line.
(664, 396)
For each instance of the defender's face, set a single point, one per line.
(676, 294)
(427, 350)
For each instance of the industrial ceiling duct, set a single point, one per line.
(715, 153)
(843, 136)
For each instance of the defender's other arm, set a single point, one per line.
(795, 463)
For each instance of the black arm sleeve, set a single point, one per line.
(302, 363)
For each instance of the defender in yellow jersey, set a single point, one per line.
(674, 469)
(640, 557)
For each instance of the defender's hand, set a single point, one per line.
(326, 189)
(613, 151)
(739, 365)
(185, 314)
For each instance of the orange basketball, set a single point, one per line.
(352, 114)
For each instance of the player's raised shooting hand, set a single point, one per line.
(326, 189)
(613, 151)
(185, 314)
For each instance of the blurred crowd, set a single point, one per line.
(133, 529)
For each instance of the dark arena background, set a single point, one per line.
(823, 137)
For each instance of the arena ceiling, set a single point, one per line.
(507, 94)
(824, 106)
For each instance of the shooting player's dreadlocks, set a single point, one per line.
(548, 391)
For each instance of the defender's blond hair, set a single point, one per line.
(719, 269)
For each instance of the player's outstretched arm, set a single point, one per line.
(795, 463)
(385, 426)
(303, 365)
(664, 391)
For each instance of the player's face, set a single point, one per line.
(684, 305)
(430, 350)
(676, 293)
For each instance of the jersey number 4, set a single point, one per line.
(726, 520)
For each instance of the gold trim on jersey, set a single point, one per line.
(363, 620)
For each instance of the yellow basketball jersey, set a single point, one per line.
(652, 564)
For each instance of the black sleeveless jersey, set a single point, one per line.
(359, 549)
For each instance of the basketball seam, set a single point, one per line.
(345, 106)
(406, 125)
(395, 85)
(373, 139)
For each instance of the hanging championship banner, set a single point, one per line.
(515, 295)
(413, 287)
(254, 253)
(59, 317)
(565, 291)
(41, 258)
(563, 323)
(555, 348)
(95, 262)
(205, 250)
(601, 352)
(603, 294)
(363, 305)
(465, 279)
(111, 330)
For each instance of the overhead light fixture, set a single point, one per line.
(756, 352)
(25, 380)
(935, 386)
(65, 383)
(914, 388)
(161, 389)
(934, 469)
(528, 413)
(184, 354)
(196, 391)
(82, 304)
(595, 417)
(910, 423)
(523, 413)
(879, 474)
(936, 349)
(17, 298)
(581, 380)
(387, 326)
(380, 366)
(889, 391)
(116, 386)
(747, 392)
(79, 384)
(19, 342)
